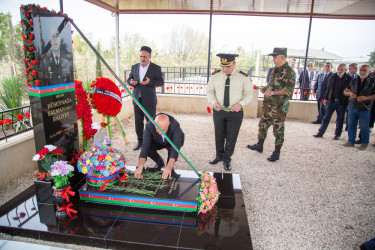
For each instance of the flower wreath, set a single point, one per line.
(28, 38)
(84, 111)
(208, 193)
(105, 104)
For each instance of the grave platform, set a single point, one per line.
(118, 227)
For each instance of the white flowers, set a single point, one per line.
(50, 147)
(36, 157)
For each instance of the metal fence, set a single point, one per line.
(14, 121)
(193, 81)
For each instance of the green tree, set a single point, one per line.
(11, 53)
(98, 63)
(187, 46)
(372, 59)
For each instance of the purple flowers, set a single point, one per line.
(61, 168)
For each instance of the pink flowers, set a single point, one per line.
(208, 193)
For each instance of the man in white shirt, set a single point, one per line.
(144, 77)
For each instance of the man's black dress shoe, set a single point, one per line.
(318, 135)
(215, 161)
(336, 137)
(316, 122)
(227, 166)
(137, 146)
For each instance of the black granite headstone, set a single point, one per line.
(53, 102)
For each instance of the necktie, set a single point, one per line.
(226, 92)
(57, 60)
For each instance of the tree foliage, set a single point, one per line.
(372, 59)
(98, 63)
(187, 47)
(11, 53)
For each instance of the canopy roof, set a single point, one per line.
(346, 9)
(313, 53)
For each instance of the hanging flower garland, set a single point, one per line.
(84, 111)
(28, 39)
(208, 193)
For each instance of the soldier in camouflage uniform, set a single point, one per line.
(276, 102)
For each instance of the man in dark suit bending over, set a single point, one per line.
(153, 139)
(144, 78)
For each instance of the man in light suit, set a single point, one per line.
(305, 79)
(320, 87)
(144, 78)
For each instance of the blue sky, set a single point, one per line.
(346, 38)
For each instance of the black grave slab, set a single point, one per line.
(118, 227)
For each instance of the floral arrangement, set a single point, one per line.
(101, 161)
(23, 121)
(209, 110)
(49, 154)
(105, 97)
(60, 172)
(206, 220)
(28, 37)
(84, 113)
(208, 193)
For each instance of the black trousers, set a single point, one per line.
(139, 119)
(321, 109)
(227, 126)
(154, 155)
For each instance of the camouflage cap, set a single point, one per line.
(227, 59)
(279, 51)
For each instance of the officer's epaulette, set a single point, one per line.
(215, 71)
(243, 73)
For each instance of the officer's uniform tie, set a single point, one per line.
(226, 92)
(57, 60)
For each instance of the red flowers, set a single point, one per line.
(7, 121)
(1, 122)
(107, 105)
(209, 110)
(84, 111)
(295, 93)
(124, 177)
(57, 151)
(305, 92)
(20, 117)
(27, 114)
(255, 87)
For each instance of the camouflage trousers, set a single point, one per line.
(272, 115)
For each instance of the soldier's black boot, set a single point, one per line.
(258, 146)
(275, 154)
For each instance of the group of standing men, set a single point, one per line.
(228, 90)
(346, 92)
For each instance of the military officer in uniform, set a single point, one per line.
(228, 91)
(276, 102)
